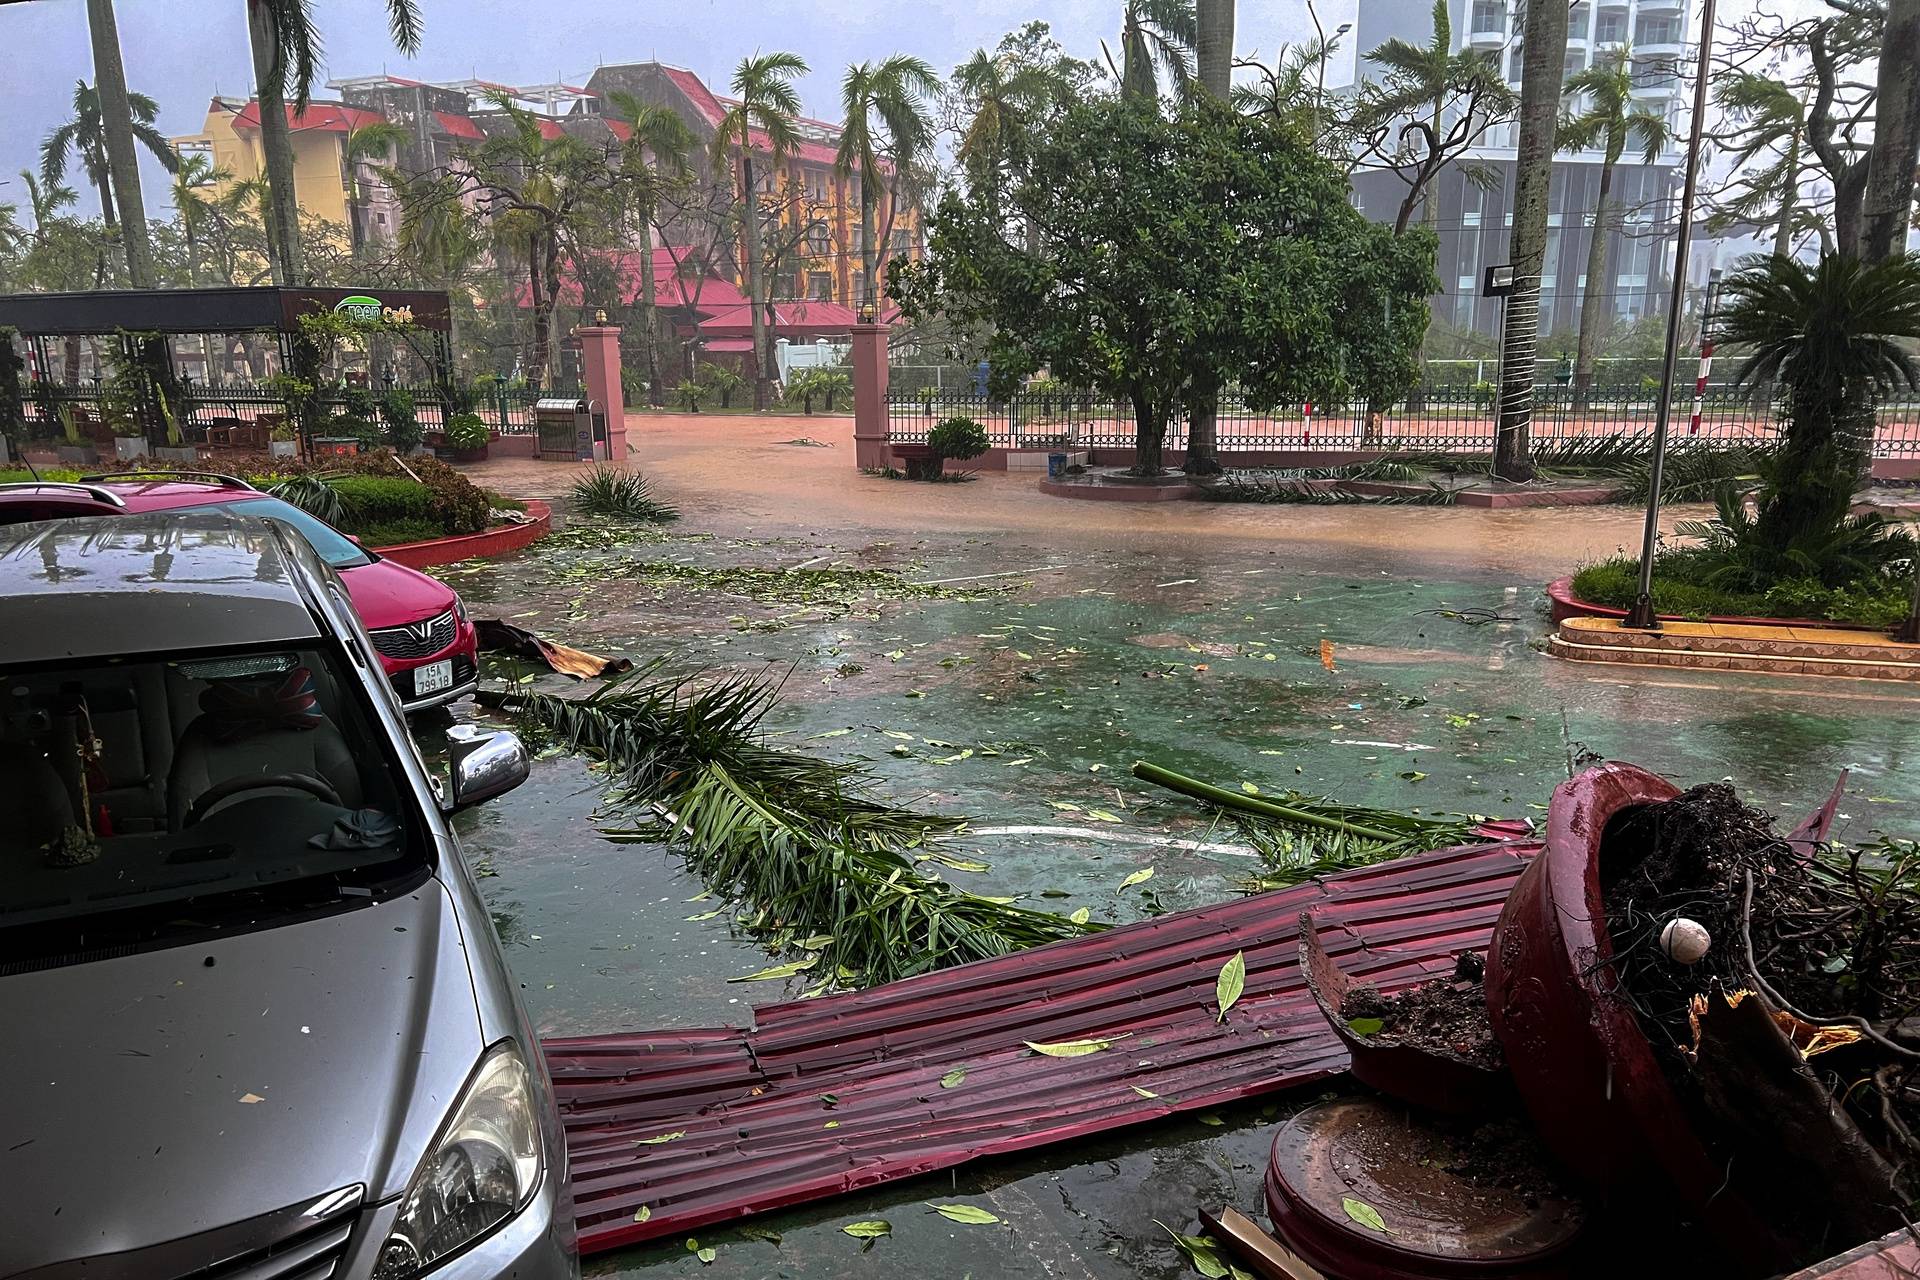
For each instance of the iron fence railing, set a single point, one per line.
(245, 412)
(1436, 420)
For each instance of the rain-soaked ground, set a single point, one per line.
(1023, 702)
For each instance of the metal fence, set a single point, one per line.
(244, 414)
(1436, 420)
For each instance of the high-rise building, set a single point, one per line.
(1474, 221)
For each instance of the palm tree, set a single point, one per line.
(1214, 46)
(1768, 119)
(373, 141)
(1286, 91)
(1610, 123)
(285, 47)
(44, 203)
(762, 119)
(84, 137)
(1010, 100)
(194, 181)
(123, 123)
(1543, 71)
(1836, 337)
(1155, 36)
(655, 156)
(897, 92)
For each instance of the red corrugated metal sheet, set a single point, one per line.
(459, 126)
(754, 1132)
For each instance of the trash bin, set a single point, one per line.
(564, 426)
(1056, 465)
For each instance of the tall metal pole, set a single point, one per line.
(1642, 616)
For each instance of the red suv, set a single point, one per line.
(418, 624)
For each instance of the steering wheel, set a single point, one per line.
(220, 791)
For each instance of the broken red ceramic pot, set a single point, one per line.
(1587, 1074)
(1438, 1081)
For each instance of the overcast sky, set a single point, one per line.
(181, 52)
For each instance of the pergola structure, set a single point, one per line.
(141, 320)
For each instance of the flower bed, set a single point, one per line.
(1610, 587)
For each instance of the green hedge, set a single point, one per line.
(1678, 590)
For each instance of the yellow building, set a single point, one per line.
(231, 140)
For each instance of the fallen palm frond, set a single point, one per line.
(311, 492)
(812, 859)
(1323, 491)
(1301, 836)
(622, 495)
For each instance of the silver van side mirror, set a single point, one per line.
(485, 763)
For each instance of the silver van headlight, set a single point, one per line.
(482, 1169)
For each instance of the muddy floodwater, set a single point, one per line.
(1027, 653)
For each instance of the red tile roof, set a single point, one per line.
(459, 126)
(669, 290)
(621, 129)
(550, 129)
(696, 89)
(328, 117)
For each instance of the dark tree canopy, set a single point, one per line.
(1177, 257)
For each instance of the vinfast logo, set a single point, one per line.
(359, 307)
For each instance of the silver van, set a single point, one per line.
(257, 1025)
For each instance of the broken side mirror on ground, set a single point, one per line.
(483, 764)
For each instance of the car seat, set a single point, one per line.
(258, 726)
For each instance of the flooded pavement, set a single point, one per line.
(1016, 678)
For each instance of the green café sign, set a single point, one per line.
(359, 306)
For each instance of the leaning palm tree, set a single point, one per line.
(1007, 102)
(655, 157)
(1836, 337)
(286, 46)
(123, 124)
(373, 143)
(762, 120)
(44, 203)
(1767, 118)
(1610, 123)
(1155, 36)
(84, 137)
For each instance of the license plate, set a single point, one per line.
(432, 678)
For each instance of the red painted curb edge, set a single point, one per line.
(496, 541)
(1564, 604)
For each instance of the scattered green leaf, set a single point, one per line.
(1231, 982)
(1364, 1214)
(870, 1230)
(1364, 1027)
(964, 1213)
(788, 970)
(1139, 877)
(1073, 1048)
(953, 1077)
(665, 1137)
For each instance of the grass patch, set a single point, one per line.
(1680, 589)
(838, 590)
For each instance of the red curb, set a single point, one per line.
(1118, 492)
(1564, 604)
(496, 541)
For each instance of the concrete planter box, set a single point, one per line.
(127, 448)
(77, 454)
(177, 453)
(283, 448)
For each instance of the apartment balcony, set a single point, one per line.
(1662, 6)
(1670, 49)
(1650, 90)
(1490, 38)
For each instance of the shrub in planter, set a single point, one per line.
(467, 437)
(690, 394)
(956, 438)
(403, 426)
(723, 382)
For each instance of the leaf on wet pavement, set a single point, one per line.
(872, 1229)
(1326, 655)
(1101, 815)
(1139, 877)
(787, 970)
(706, 915)
(965, 1213)
(1081, 915)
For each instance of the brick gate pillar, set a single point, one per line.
(870, 395)
(600, 370)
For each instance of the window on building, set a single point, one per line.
(816, 180)
(1575, 63)
(820, 286)
(1550, 263)
(1653, 74)
(1489, 15)
(1473, 205)
(1610, 27)
(819, 242)
(859, 286)
(1468, 270)
(902, 243)
(1578, 19)
(1516, 61)
(1656, 28)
